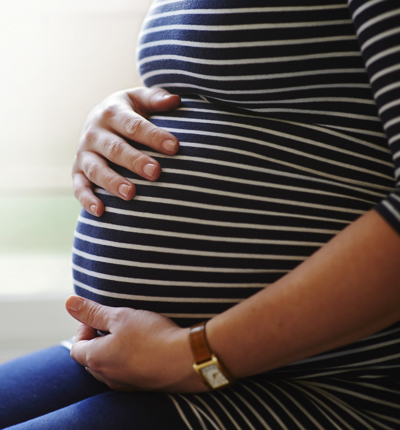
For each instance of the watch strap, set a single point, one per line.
(198, 343)
(205, 359)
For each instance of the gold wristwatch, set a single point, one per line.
(210, 369)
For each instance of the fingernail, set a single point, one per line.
(169, 145)
(93, 209)
(124, 190)
(75, 304)
(167, 96)
(149, 169)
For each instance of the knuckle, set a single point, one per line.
(157, 91)
(136, 159)
(134, 126)
(110, 111)
(110, 182)
(77, 192)
(113, 149)
(93, 314)
(117, 315)
(91, 170)
(93, 363)
(89, 137)
(154, 135)
(117, 319)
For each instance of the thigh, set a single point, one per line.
(110, 411)
(42, 382)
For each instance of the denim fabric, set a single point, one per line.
(47, 390)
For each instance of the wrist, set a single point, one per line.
(182, 376)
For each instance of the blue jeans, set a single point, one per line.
(49, 390)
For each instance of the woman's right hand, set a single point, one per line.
(121, 116)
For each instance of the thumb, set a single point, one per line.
(153, 99)
(161, 100)
(88, 312)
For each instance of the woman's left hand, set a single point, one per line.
(143, 350)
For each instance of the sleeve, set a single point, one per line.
(377, 24)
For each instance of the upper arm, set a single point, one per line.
(377, 23)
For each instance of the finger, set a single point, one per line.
(123, 119)
(84, 332)
(149, 100)
(137, 128)
(89, 353)
(97, 171)
(89, 350)
(83, 191)
(90, 313)
(118, 151)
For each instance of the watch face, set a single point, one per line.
(214, 377)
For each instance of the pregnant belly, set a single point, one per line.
(244, 201)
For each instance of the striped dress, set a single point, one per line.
(289, 130)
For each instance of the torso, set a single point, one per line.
(281, 148)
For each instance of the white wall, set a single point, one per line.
(58, 58)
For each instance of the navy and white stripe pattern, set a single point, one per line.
(282, 146)
(378, 31)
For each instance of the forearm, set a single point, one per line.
(347, 290)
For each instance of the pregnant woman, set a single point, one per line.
(253, 186)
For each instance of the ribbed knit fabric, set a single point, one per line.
(283, 144)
